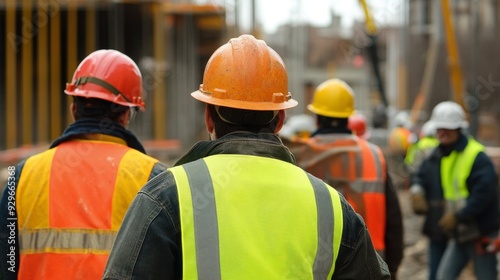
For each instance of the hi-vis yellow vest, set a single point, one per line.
(71, 201)
(248, 217)
(456, 168)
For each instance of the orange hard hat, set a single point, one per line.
(357, 123)
(109, 75)
(246, 74)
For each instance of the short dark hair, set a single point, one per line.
(97, 108)
(223, 127)
(329, 122)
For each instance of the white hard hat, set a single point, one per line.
(296, 124)
(449, 115)
(402, 119)
(428, 129)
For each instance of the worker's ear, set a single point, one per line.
(281, 121)
(72, 109)
(209, 122)
(124, 118)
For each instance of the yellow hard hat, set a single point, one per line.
(246, 74)
(333, 98)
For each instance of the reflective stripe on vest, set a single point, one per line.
(67, 219)
(66, 241)
(254, 240)
(358, 170)
(456, 168)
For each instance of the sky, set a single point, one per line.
(273, 13)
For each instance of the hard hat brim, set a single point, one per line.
(246, 105)
(103, 96)
(325, 113)
(451, 126)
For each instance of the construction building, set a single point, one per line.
(46, 40)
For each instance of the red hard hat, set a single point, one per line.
(357, 123)
(109, 75)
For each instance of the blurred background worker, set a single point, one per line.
(353, 166)
(225, 210)
(422, 148)
(357, 124)
(456, 187)
(298, 126)
(400, 135)
(70, 200)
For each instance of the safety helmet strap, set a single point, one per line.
(102, 83)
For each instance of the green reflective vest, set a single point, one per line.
(424, 145)
(248, 217)
(455, 170)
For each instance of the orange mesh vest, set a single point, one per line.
(357, 169)
(70, 203)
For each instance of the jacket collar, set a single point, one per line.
(88, 129)
(245, 143)
(459, 145)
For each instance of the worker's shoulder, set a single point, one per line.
(44, 156)
(139, 155)
(353, 223)
(161, 188)
(374, 147)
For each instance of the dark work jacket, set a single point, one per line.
(482, 205)
(149, 245)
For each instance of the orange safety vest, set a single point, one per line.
(71, 201)
(357, 169)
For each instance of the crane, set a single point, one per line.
(372, 32)
(454, 67)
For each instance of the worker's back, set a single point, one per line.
(61, 209)
(354, 167)
(71, 200)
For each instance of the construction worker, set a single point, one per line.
(357, 124)
(355, 167)
(422, 148)
(456, 188)
(236, 206)
(298, 126)
(61, 209)
(400, 135)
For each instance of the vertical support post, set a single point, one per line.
(55, 71)
(159, 87)
(11, 76)
(72, 48)
(43, 73)
(28, 32)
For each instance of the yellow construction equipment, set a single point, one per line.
(454, 67)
